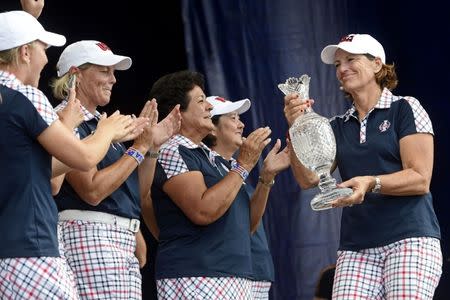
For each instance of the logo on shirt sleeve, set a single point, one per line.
(384, 125)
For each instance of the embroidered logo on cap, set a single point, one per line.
(384, 125)
(103, 46)
(221, 99)
(347, 38)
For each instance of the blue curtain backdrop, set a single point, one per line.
(245, 48)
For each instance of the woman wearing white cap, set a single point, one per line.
(225, 139)
(100, 208)
(389, 243)
(30, 263)
(202, 210)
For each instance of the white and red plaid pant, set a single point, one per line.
(406, 269)
(102, 259)
(260, 290)
(36, 278)
(211, 288)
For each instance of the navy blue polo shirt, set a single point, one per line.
(125, 201)
(220, 249)
(371, 147)
(28, 214)
(263, 269)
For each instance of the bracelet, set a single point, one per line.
(152, 154)
(136, 154)
(236, 167)
(268, 184)
(377, 187)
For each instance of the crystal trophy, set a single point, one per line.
(314, 145)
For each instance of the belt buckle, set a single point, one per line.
(134, 225)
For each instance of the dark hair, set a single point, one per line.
(173, 89)
(324, 287)
(211, 140)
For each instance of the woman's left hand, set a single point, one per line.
(275, 162)
(155, 133)
(138, 127)
(360, 186)
(166, 128)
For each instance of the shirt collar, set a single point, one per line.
(384, 102)
(186, 142)
(182, 140)
(9, 79)
(86, 113)
(386, 99)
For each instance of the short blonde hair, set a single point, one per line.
(60, 85)
(11, 56)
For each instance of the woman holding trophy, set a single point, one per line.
(389, 244)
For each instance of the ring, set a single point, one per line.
(350, 205)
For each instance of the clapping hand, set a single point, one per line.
(116, 124)
(139, 123)
(252, 147)
(275, 162)
(155, 134)
(71, 115)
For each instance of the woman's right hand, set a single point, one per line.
(252, 147)
(295, 107)
(71, 115)
(117, 125)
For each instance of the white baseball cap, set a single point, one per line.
(93, 52)
(19, 28)
(355, 44)
(222, 106)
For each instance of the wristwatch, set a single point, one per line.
(377, 187)
(268, 184)
(152, 154)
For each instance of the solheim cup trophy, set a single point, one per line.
(314, 145)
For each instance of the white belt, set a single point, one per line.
(101, 217)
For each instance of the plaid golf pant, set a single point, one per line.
(260, 290)
(211, 288)
(102, 259)
(36, 278)
(406, 269)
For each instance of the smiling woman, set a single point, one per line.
(100, 208)
(226, 139)
(385, 154)
(30, 261)
(202, 210)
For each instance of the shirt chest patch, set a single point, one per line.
(384, 126)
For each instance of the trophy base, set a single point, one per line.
(322, 201)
